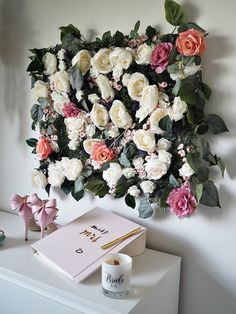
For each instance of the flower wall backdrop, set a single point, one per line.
(124, 115)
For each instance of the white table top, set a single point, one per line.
(19, 266)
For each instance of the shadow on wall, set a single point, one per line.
(199, 290)
(14, 33)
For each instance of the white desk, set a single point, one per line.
(27, 286)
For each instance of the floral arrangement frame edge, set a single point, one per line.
(124, 115)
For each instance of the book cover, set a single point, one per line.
(76, 248)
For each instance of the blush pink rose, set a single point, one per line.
(182, 202)
(191, 43)
(160, 57)
(70, 110)
(43, 148)
(101, 153)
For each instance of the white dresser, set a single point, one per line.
(28, 286)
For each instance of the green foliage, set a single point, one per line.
(36, 113)
(96, 185)
(193, 160)
(210, 195)
(130, 201)
(174, 13)
(186, 26)
(69, 30)
(198, 192)
(76, 78)
(32, 142)
(216, 124)
(134, 32)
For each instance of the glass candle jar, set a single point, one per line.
(116, 275)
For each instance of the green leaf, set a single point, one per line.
(36, 113)
(150, 32)
(106, 36)
(176, 88)
(205, 148)
(221, 165)
(71, 43)
(198, 192)
(173, 181)
(145, 208)
(174, 13)
(136, 26)
(79, 184)
(190, 91)
(201, 128)
(173, 68)
(43, 102)
(187, 26)
(130, 201)
(216, 124)
(202, 174)
(210, 195)
(32, 142)
(130, 150)
(193, 160)
(77, 196)
(96, 185)
(47, 189)
(206, 90)
(165, 195)
(76, 78)
(124, 161)
(119, 37)
(67, 187)
(69, 29)
(35, 66)
(123, 185)
(166, 124)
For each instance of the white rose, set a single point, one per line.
(164, 156)
(101, 61)
(134, 191)
(112, 174)
(120, 58)
(185, 72)
(176, 112)
(61, 81)
(79, 95)
(137, 162)
(71, 167)
(113, 132)
(155, 118)
(186, 170)
(156, 168)
(119, 115)
(75, 123)
(58, 102)
(99, 116)
(129, 172)
(125, 79)
(143, 54)
(55, 174)
(164, 101)
(50, 63)
(73, 145)
(40, 90)
(73, 135)
(62, 65)
(145, 140)
(90, 130)
(163, 144)
(136, 85)
(38, 179)
(82, 60)
(105, 88)
(93, 98)
(89, 143)
(148, 102)
(147, 186)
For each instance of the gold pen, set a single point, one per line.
(120, 239)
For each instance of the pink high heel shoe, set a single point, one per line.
(45, 213)
(24, 204)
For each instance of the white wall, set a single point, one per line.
(207, 240)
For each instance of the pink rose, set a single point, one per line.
(70, 110)
(101, 153)
(43, 148)
(160, 57)
(182, 202)
(191, 43)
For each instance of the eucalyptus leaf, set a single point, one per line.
(124, 161)
(36, 113)
(79, 184)
(176, 88)
(145, 208)
(173, 181)
(76, 78)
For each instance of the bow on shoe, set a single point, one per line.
(24, 205)
(45, 213)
